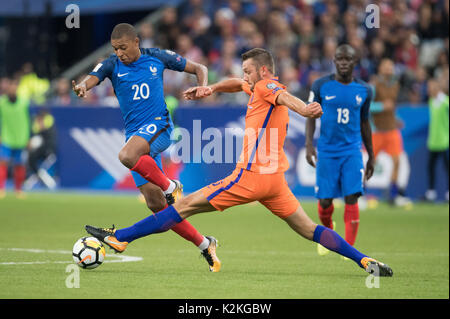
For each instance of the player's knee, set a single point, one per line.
(127, 158)
(325, 203)
(351, 199)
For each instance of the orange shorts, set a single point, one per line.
(244, 186)
(390, 142)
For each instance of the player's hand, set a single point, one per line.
(370, 167)
(314, 110)
(197, 92)
(79, 89)
(311, 155)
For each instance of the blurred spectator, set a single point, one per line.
(414, 34)
(280, 35)
(146, 35)
(31, 86)
(63, 94)
(327, 56)
(14, 135)
(168, 28)
(438, 136)
(42, 150)
(110, 99)
(3, 84)
(187, 49)
(418, 89)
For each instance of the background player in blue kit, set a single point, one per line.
(344, 124)
(137, 77)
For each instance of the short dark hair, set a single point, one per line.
(261, 57)
(123, 29)
(346, 48)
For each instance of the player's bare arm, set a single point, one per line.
(88, 83)
(201, 71)
(226, 86)
(312, 110)
(311, 154)
(366, 134)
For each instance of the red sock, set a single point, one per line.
(325, 215)
(3, 175)
(147, 168)
(351, 219)
(187, 231)
(19, 176)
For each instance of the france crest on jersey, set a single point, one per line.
(340, 167)
(344, 106)
(139, 85)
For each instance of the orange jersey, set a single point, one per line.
(265, 129)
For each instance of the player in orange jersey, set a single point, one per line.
(259, 173)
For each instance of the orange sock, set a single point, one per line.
(351, 220)
(325, 215)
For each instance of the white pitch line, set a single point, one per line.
(121, 258)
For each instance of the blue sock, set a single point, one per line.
(156, 223)
(393, 192)
(332, 241)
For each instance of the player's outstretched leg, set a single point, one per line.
(160, 222)
(303, 225)
(106, 235)
(154, 199)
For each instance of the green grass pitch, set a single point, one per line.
(261, 256)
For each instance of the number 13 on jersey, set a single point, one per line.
(343, 115)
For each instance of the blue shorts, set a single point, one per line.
(157, 134)
(339, 176)
(17, 155)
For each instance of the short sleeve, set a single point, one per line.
(314, 94)
(269, 90)
(170, 59)
(246, 88)
(104, 69)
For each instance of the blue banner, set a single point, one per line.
(209, 142)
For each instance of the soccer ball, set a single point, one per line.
(88, 252)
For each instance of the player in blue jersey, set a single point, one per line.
(137, 77)
(344, 126)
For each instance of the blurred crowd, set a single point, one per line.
(302, 35)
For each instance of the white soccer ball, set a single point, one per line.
(88, 252)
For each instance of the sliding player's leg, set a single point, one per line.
(216, 196)
(156, 202)
(168, 218)
(285, 205)
(304, 226)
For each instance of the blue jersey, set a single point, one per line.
(139, 85)
(344, 106)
